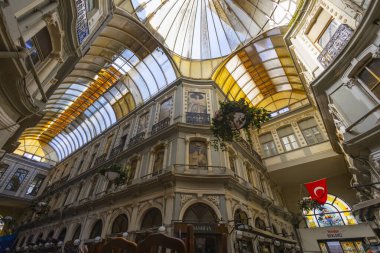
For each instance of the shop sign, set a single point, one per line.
(82, 24)
(201, 228)
(334, 233)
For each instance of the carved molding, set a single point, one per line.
(186, 198)
(214, 199)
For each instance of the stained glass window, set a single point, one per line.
(335, 212)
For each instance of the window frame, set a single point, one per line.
(37, 185)
(26, 172)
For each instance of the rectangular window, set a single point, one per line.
(268, 145)
(288, 138)
(3, 169)
(39, 46)
(90, 5)
(17, 179)
(310, 131)
(197, 102)
(322, 19)
(35, 186)
(108, 144)
(328, 33)
(370, 77)
(143, 123)
(165, 109)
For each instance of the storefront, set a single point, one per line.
(208, 237)
(337, 239)
(252, 240)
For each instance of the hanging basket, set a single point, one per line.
(114, 173)
(307, 204)
(231, 118)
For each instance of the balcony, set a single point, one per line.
(198, 118)
(160, 125)
(336, 45)
(100, 159)
(136, 139)
(250, 150)
(116, 150)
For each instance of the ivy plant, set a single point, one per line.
(234, 116)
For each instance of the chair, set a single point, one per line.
(154, 242)
(118, 245)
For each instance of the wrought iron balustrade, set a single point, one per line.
(100, 159)
(137, 138)
(248, 147)
(116, 150)
(160, 125)
(198, 118)
(335, 45)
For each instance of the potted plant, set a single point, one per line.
(9, 225)
(114, 173)
(234, 116)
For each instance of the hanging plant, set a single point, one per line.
(40, 208)
(307, 204)
(9, 225)
(231, 118)
(114, 173)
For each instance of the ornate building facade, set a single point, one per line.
(136, 84)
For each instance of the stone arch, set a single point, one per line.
(202, 201)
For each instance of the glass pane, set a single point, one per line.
(328, 33)
(335, 247)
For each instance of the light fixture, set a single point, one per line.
(277, 243)
(59, 244)
(261, 238)
(98, 239)
(76, 242)
(35, 246)
(297, 247)
(47, 245)
(161, 229)
(125, 234)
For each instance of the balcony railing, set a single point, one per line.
(136, 139)
(100, 159)
(198, 118)
(160, 125)
(116, 150)
(336, 45)
(248, 147)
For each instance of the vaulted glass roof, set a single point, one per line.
(147, 45)
(108, 82)
(263, 73)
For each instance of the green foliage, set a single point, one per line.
(40, 208)
(226, 126)
(308, 204)
(123, 173)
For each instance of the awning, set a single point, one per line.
(373, 203)
(254, 232)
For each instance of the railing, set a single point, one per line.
(336, 45)
(200, 170)
(100, 159)
(160, 125)
(248, 147)
(136, 139)
(116, 150)
(198, 118)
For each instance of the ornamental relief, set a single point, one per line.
(214, 199)
(186, 198)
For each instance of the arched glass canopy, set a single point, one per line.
(124, 68)
(200, 32)
(335, 212)
(263, 73)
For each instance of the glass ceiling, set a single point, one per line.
(206, 29)
(263, 73)
(98, 92)
(126, 65)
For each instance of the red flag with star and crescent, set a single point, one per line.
(318, 190)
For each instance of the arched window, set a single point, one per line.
(120, 224)
(96, 229)
(30, 239)
(200, 213)
(335, 212)
(152, 218)
(22, 242)
(133, 169)
(284, 232)
(77, 232)
(198, 153)
(62, 235)
(158, 164)
(241, 217)
(274, 229)
(260, 224)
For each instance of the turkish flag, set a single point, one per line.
(318, 190)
